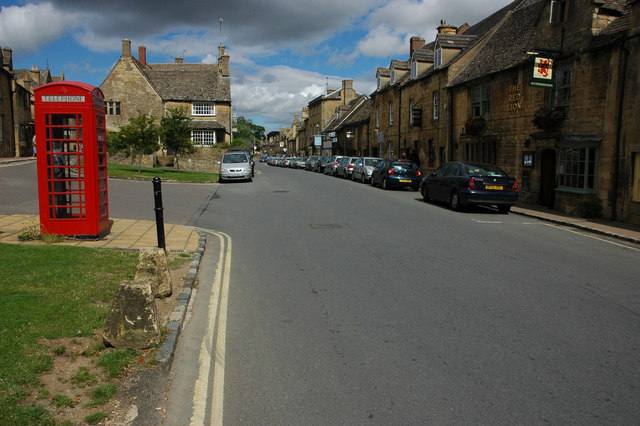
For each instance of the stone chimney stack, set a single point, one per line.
(348, 94)
(415, 43)
(142, 55)
(447, 29)
(7, 58)
(223, 61)
(126, 48)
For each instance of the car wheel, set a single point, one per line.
(454, 201)
(425, 193)
(504, 209)
(373, 182)
(364, 178)
(385, 183)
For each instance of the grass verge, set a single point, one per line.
(49, 292)
(148, 173)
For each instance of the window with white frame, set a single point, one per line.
(377, 116)
(390, 113)
(203, 138)
(577, 167)
(203, 108)
(561, 94)
(414, 69)
(393, 76)
(437, 58)
(480, 100)
(436, 104)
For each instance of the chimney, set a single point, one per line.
(7, 58)
(446, 29)
(179, 60)
(348, 94)
(26, 82)
(415, 43)
(223, 61)
(126, 48)
(142, 55)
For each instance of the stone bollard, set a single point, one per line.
(133, 320)
(152, 266)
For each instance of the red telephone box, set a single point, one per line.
(72, 160)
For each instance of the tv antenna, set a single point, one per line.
(221, 22)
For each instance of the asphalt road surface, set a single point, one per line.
(348, 304)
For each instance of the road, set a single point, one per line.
(346, 304)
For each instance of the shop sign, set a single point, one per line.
(542, 73)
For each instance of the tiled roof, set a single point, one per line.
(206, 124)
(404, 65)
(455, 41)
(424, 53)
(188, 82)
(508, 44)
(383, 72)
(615, 31)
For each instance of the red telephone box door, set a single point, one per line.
(71, 158)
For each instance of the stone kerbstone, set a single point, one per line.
(153, 267)
(133, 320)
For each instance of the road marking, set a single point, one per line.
(485, 221)
(592, 236)
(217, 327)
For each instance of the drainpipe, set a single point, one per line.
(619, 118)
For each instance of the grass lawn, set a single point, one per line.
(49, 292)
(148, 173)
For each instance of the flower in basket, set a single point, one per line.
(549, 118)
(475, 125)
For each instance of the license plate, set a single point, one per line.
(405, 180)
(495, 187)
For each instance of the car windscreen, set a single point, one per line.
(371, 161)
(235, 157)
(485, 171)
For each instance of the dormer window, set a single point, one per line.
(414, 69)
(393, 76)
(437, 57)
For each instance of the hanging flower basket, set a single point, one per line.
(475, 125)
(548, 119)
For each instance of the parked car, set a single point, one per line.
(253, 163)
(299, 163)
(363, 167)
(394, 173)
(463, 183)
(235, 165)
(264, 158)
(321, 164)
(310, 164)
(332, 163)
(345, 167)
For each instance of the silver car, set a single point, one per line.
(363, 168)
(235, 165)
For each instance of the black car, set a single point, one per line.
(393, 173)
(464, 183)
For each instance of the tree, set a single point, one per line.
(176, 132)
(250, 133)
(137, 138)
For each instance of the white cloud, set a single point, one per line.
(30, 26)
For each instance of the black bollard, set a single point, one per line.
(157, 198)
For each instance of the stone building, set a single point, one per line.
(134, 86)
(317, 116)
(349, 130)
(477, 93)
(16, 104)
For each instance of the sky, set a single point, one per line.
(283, 54)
